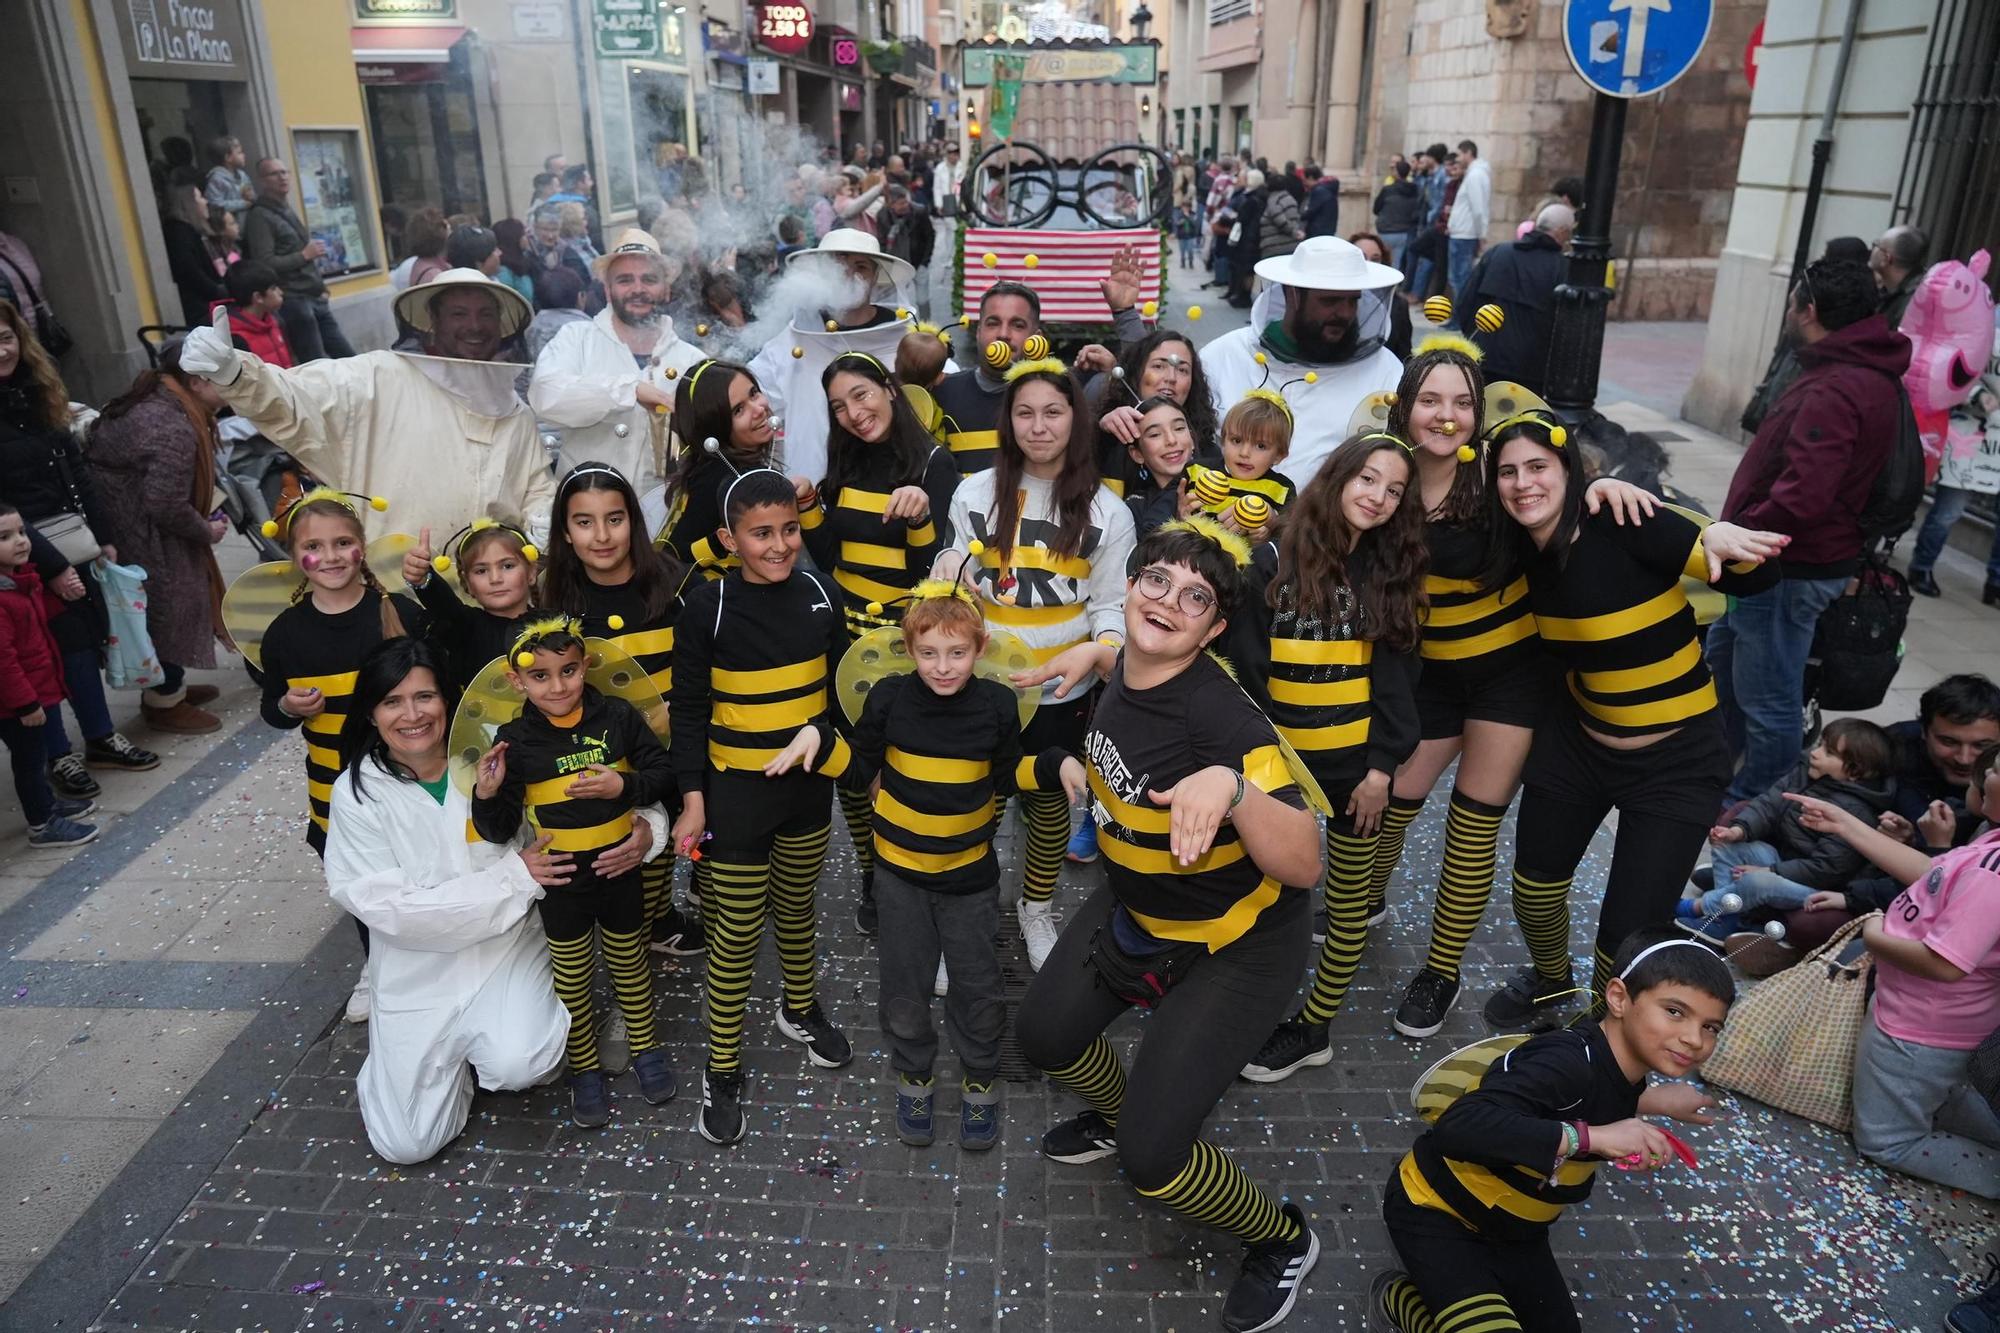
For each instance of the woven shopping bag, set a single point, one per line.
(1789, 1043)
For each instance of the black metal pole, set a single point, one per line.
(1576, 344)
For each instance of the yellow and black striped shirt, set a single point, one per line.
(1346, 703)
(649, 641)
(1489, 1158)
(307, 648)
(695, 517)
(873, 559)
(971, 419)
(546, 754)
(1612, 612)
(1141, 741)
(948, 764)
(1464, 620)
(753, 663)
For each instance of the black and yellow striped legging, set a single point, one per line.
(1465, 875)
(657, 875)
(1054, 724)
(735, 897)
(612, 914)
(1350, 861)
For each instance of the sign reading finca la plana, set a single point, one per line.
(187, 35)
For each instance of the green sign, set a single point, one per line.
(626, 29)
(1106, 62)
(1007, 73)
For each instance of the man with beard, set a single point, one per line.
(606, 383)
(439, 433)
(1326, 315)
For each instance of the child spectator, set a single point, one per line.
(1256, 436)
(1187, 230)
(31, 681)
(1470, 1206)
(1767, 857)
(1937, 997)
(921, 357)
(255, 295)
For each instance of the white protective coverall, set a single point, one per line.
(457, 958)
(1320, 411)
(443, 441)
(586, 384)
(792, 382)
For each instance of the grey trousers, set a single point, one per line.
(1915, 1113)
(918, 925)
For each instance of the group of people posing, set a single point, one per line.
(1061, 582)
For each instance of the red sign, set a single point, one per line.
(1753, 53)
(785, 28)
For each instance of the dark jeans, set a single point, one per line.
(24, 754)
(1196, 1039)
(1947, 506)
(86, 700)
(311, 330)
(1757, 653)
(916, 926)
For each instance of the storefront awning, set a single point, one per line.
(427, 45)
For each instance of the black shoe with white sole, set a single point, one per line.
(1272, 1274)
(825, 1045)
(1425, 1004)
(721, 1118)
(678, 933)
(1296, 1044)
(1086, 1138)
(1528, 997)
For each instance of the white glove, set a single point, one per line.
(208, 352)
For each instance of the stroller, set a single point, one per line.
(255, 479)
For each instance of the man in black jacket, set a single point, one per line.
(908, 233)
(1521, 278)
(276, 235)
(1322, 204)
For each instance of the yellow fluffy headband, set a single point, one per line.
(1209, 530)
(546, 627)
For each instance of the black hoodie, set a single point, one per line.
(1816, 860)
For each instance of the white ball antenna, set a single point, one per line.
(712, 445)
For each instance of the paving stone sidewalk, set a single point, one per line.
(822, 1220)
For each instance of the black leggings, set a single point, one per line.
(1666, 796)
(1208, 1026)
(1462, 1282)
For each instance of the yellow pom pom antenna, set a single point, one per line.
(990, 259)
(998, 354)
(1558, 436)
(524, 660)
(1045, 366)
(1488, 318)
(542, 628)
(1438, 309)
(1031, 261)
(531, 552)
(1207, 528)
(347, 500)
(1252, 512)
(1150, 309)
(1312, 377)
(1466, 453)
(1035, 347)
(615, 623)
(441, 563)
(269, 527)
(975, 547)
(1210, 485)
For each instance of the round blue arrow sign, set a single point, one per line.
(1634, 48)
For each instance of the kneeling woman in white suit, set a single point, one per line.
(460, 965)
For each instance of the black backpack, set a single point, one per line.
(1899, 486)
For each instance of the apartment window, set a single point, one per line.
(1180, 129)
(1223, 11)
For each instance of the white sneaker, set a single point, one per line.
(942, 985)
(362, 1001)
(1039, 927)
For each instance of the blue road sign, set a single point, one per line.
(1634, 48)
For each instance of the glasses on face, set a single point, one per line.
(1192, 600)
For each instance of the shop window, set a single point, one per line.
(331, 184)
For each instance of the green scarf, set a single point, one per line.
(1276, 340)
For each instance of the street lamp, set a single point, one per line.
(1140, 18)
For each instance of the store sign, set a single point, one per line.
(784, 28)
(846, 51)
(625, 29)
(405, 9)
(169, 39)
(763, 77)
(1119, 62)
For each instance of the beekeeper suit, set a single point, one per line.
(457, 959)
(440, 434)
(849, 283)
(590, 384)
(1326, 314)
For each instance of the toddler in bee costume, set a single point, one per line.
(576, 764)
(1246, 490)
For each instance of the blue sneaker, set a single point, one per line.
(1981, 1314)
(914, 1122)
(589, 1108)
(656, 1076)
(978, 1117)
(74, 810)
(1083, 842)
(1713, 930)
(60, 832)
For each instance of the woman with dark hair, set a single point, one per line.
(517, 270)
(184, 232)
(153, 447)
(424, 238)
(723, 426)
(1638, 729)
(1161, 363)
(1205, 829)
(457, 957)
(1327, 645)
(43, 474)
(874, 523)
(1044, 545)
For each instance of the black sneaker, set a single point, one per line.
(678, 934)
(866, 919)
(71, 779)
(721, 1118)
(1924, 583)
(1084, 1139)
(114, 751)
(589, 1107)
(825, 1046)
(1296, 1044)
(1702, 877)
(656, 1077)
(1525, 997)
(1269, 1283)
(1381, 1318)
(1319, 922)
(1426, 1003)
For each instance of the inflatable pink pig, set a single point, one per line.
(1950, 327)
